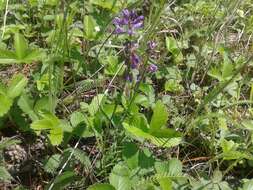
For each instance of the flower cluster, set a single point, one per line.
(127, 22)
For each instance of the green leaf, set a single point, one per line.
(131, 154)
(96, 102)
(248, 185)
(17, 85)
(55, 126)
(112, 5)
(26, 105)
(7, 57)
(81, 156)
(172, 168)
(159, 117)
(173, 48)
(165, 183)
(56, 136)
(89, 27)
(4, 175)
(173, 86)
(101, 186)
(52, 164)
(76, 118)
(120, 177)
(5, 104)
(64, 179)
(20, 45)
(33, 55)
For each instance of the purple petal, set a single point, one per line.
(138, 19)
(135, 60)
(153, 68)
(126, 13)
(119, 30)
(151, 45)
(138, 25)
(129, 78)
(130, 32)
(133, 14)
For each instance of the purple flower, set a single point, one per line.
(129, 78)
(151, 45)
(119, 30)
(153, 68)
(135, 60)
(128, 21)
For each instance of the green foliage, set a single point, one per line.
(9, 93)
(21, 54)
(55, 126)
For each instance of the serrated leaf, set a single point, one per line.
(63, 180)
(81, 156)
(101, 186)
(120, 177)
(17, 85)
(159, 117)
(26, 105)
(172, 168)
(55, 126)
(52, 163)
(76, 118)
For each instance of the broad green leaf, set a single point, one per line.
(120, 177)
(52, 164)
(131, 154)
(56, 136)
(101, 186)
(20, 45)
(17, 85)
(96, 102)
(166, 142)
(76, 118)
(165, 183)
(173, 48)
(26, 105)
(33, 55)
(89, 27)
(55, 126)
(137, 131)
(5, 104)
(64, 179)
(173, 86)
(159, 117)
(172, 168)
(7, 57)
(227, 70)
(248, 185)
(112, 5)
